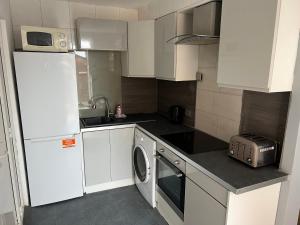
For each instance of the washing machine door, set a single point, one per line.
(141, 164)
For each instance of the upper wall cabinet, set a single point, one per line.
(258, 44)
(174, 62)
(139, 60)
(100, 34)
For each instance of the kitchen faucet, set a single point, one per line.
(93, 104)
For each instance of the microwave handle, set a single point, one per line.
(164, 161)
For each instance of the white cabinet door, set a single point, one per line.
(140, 55)
(201, 208)
(258, 44)
(174, 62)
(165, 28)
(121, 142)
(96, 157)
(246, 43)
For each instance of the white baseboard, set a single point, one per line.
(108, 186)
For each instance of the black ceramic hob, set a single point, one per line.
(195, 142)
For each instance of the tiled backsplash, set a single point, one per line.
(265, 114)
(181, 93)
(139, 95)
(218, 110)
(104, 80)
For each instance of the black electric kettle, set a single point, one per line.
(176, 114)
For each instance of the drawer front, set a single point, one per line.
(210, 186)
(172, 157)
(201, 208)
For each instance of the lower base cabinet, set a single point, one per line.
(107, 156)
(208, 203)
(96, 152)
(121, 145)
(201, 208)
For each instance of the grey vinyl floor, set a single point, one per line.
(122, 206)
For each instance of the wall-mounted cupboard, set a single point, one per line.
(138, 61)
(174, 62)
(258, 44)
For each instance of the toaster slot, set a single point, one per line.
(240, 152)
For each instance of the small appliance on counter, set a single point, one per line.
(176, 114)
(119, 113)
(254, 150)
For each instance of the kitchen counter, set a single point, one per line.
(131, 119)
(230, 173)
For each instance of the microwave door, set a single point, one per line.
(39, 38)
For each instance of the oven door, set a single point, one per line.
(171, 184)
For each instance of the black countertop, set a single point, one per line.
(130, 119)
(230, 173)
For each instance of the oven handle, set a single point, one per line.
(170, 165)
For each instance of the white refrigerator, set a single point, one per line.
(47, 91)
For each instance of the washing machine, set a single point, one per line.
(145, 166)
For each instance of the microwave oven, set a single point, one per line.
(44, 39)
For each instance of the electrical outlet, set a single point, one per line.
(188, 113)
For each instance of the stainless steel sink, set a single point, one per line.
(96, 121)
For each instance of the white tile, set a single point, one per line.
(79, 10)
(227, 128)
(206, 122)
(228, 106)
(26, 12)
(231, 91)
(55, 13)
(144, 14)
(204, 100)
(209, 81)
(104, 12)
(128, 14)
(208, 55)
(153, 10)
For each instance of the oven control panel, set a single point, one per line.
(171, 156)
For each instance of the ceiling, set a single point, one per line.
(117, 3)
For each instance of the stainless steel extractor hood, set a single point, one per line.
(206, 26)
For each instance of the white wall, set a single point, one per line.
(158, 8)
(5, 14)
(218, 110)
(8, 46)
(61, 14)
(289, 202)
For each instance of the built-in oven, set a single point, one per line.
(170, 171)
